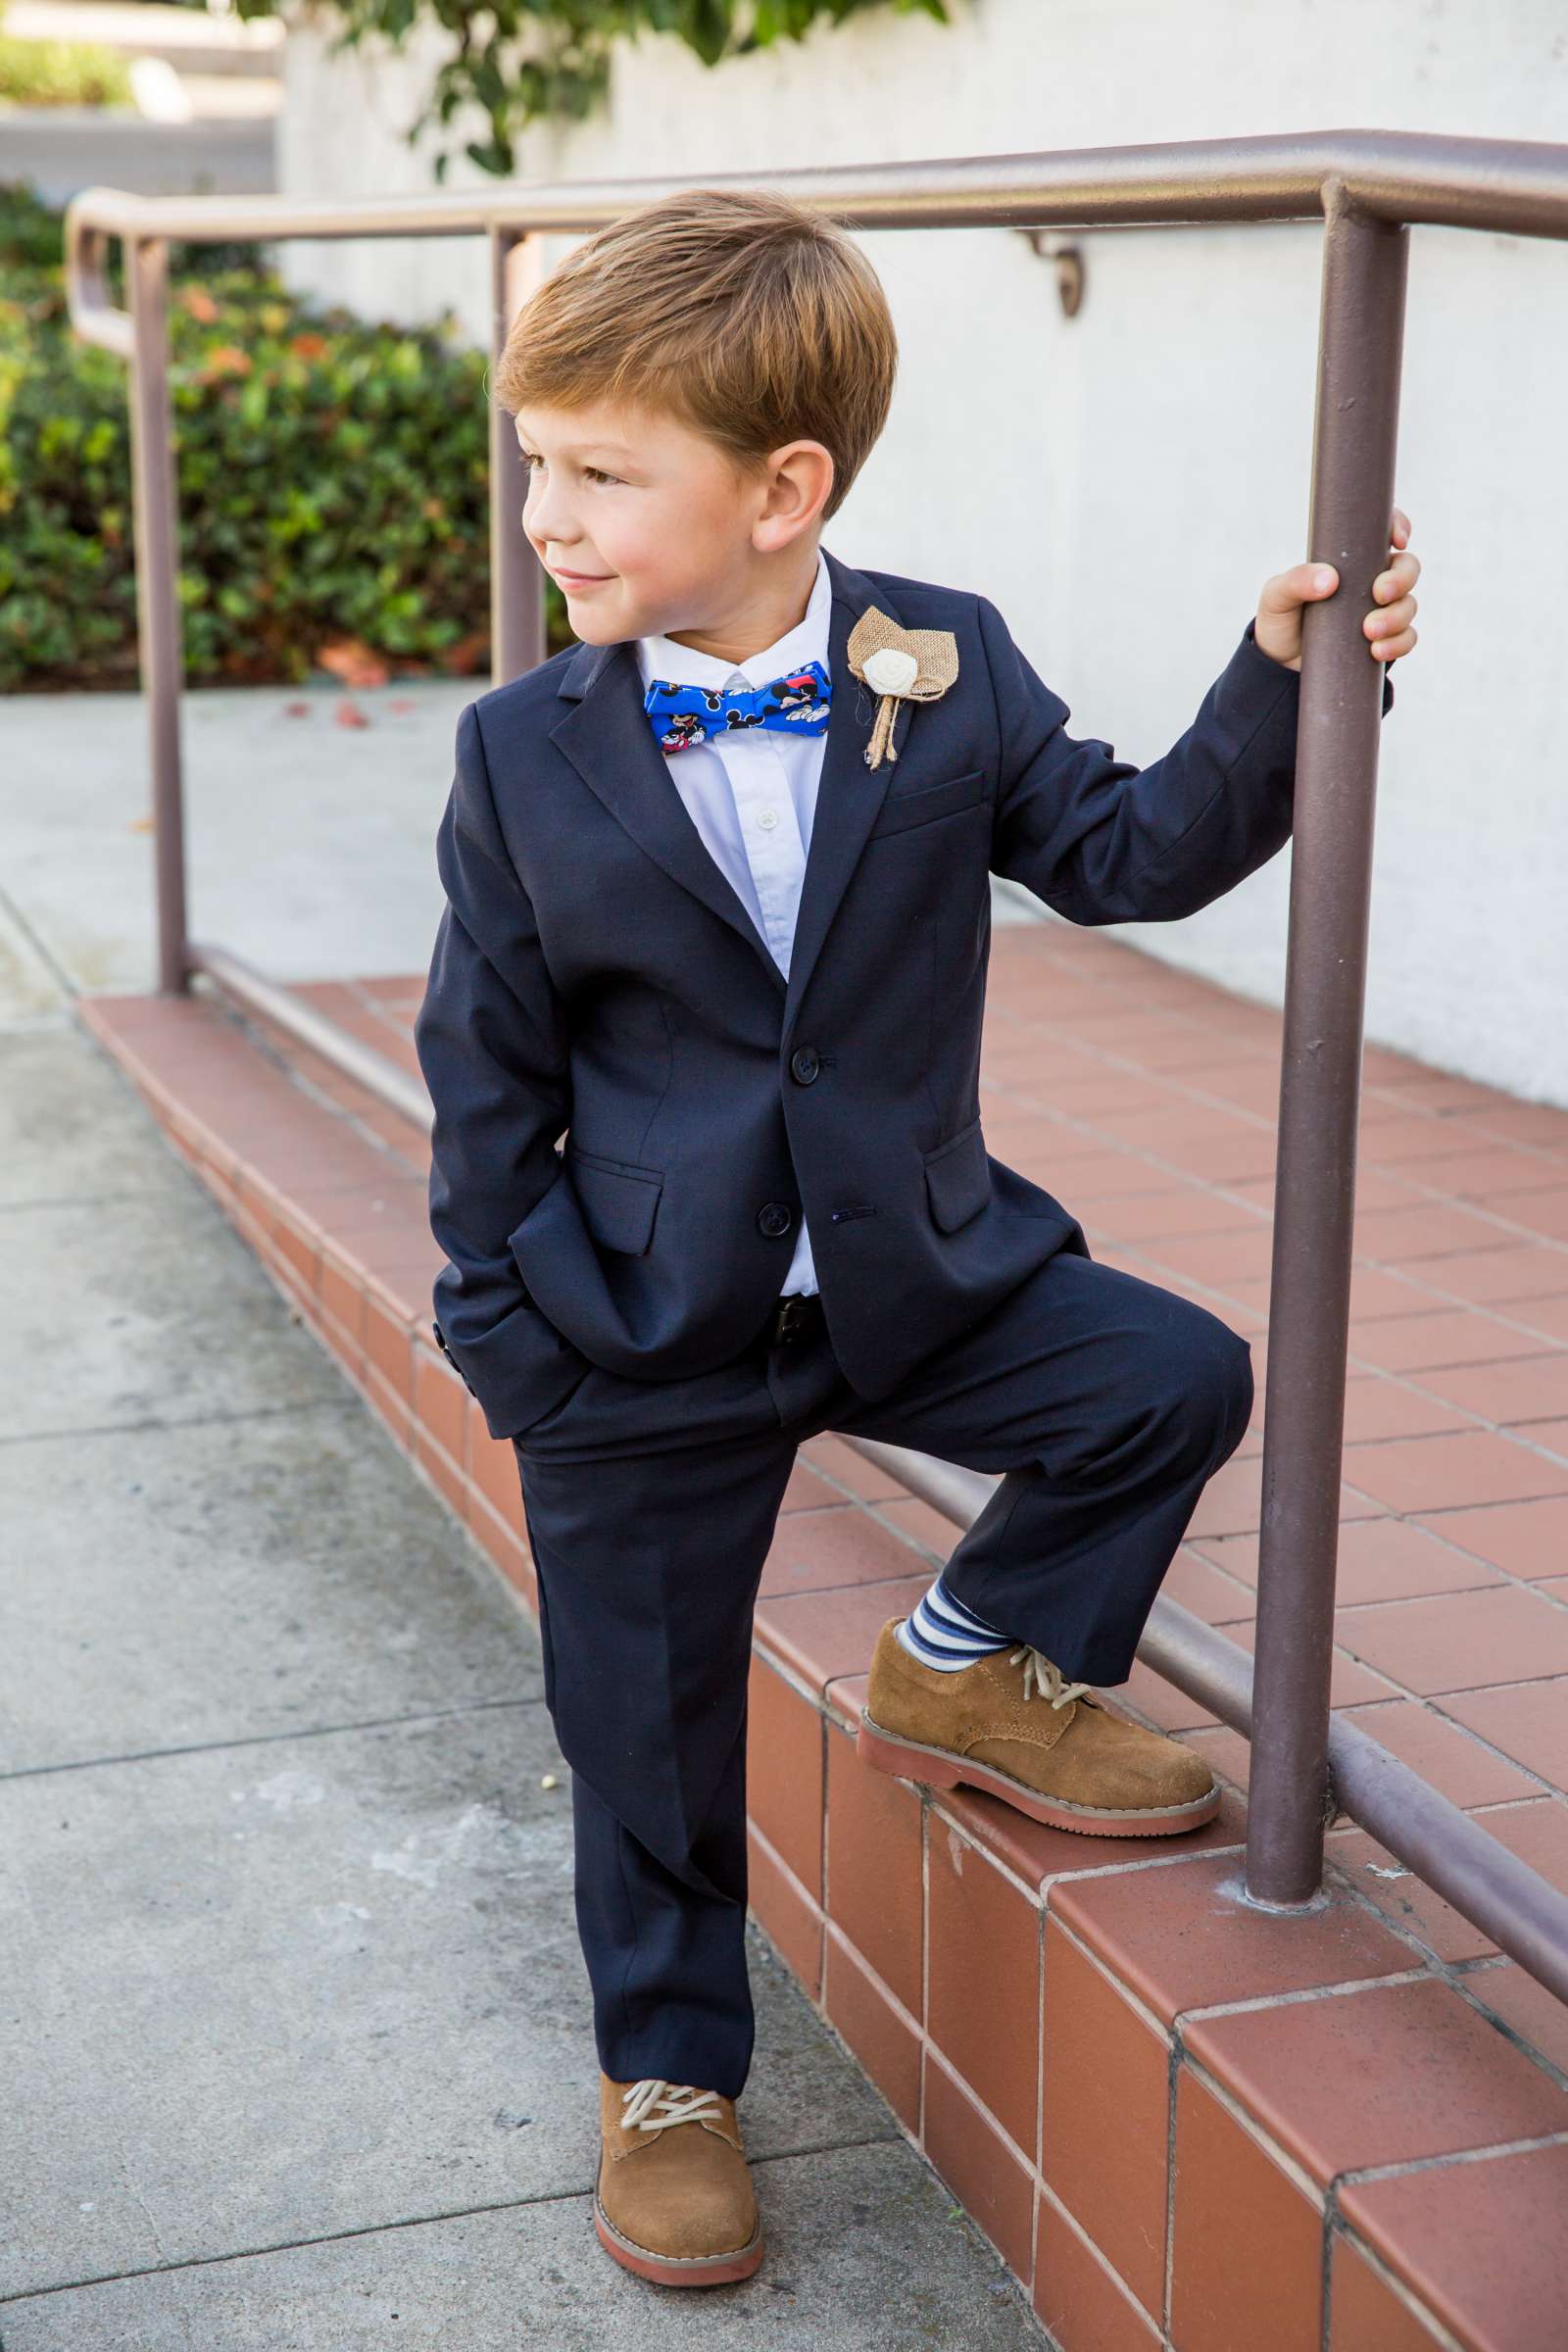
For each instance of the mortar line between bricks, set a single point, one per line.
(1356, 2176)
(1399, 1929)
(1430, 1700)
(1509, 2032)
(904, 2016)
(854, 1584)
(1411, 1379)
(1546, 1342)
(1418, 1517)
(1326, 2196)
(1254, 2128)
(1097, 2255)
(970, 1836)
(1421, 1519)
(1336, 2227)
(1299, 1996)
(1097, 1055)
(415, 2220)
(280, 1053)
(935, 2056)
(1325, 2278)
(1167, 2275)
(317, 1731)
(1153, 1268)
(1253, 1218)
(1413, 1600)
(1115, 1869)
(873, 1510)
(1428, 1704)
(1456, 1974)
(1134, 1999)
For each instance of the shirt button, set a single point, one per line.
(775, 1217)
(804, 1064)
(767, 819)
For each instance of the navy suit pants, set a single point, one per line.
(1106, 1403)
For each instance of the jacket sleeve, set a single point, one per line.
(1102, 840)
(491, 1039)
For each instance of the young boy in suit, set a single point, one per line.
(718, 911)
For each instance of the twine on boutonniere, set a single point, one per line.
(901, 665)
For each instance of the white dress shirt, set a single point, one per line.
(752, 795)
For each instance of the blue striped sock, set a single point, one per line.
(941, 1631)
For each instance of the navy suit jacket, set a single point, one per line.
(596, 977)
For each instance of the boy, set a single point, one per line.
(718, 903)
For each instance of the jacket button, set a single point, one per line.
(775, 1217)
(804, 1064)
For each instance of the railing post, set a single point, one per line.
(156, 525)
(1359, 349)
(516, 582)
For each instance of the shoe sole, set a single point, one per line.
(939, 1768)
(669, 2270)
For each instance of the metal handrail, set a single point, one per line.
(1367, 187)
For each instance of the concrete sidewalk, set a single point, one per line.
(298, 2050)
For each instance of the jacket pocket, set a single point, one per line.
(619, 1198)
(958, 1178)
(903, 809)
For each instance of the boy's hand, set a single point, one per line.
(1277, 629)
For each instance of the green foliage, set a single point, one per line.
(526, 61)
(332, 479)
(60, 73)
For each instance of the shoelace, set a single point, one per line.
(682, 2102)
(1047, 1677)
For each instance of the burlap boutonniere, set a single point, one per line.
(901, 665)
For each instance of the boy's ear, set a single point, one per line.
(798, 483)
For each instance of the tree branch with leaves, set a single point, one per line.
(520, 61)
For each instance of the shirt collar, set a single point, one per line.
(807, 641)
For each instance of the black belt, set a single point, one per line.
(796, 1315)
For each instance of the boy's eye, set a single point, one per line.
(531, 459)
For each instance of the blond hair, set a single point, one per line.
(744, 315)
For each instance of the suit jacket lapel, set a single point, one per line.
(607, 736)
(848, 794)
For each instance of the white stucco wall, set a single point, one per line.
(1122, 482)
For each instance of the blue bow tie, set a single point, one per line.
(796, 703)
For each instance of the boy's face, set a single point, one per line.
(651, 529)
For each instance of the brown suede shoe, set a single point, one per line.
(674, 2200)
(1041, 1743)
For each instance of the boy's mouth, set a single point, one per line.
(580, 579)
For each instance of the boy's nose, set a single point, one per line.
(545, 520)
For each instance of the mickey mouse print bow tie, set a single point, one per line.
(796, 703)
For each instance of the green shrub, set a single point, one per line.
(332, 479)
(60, 73)
(520, 61)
